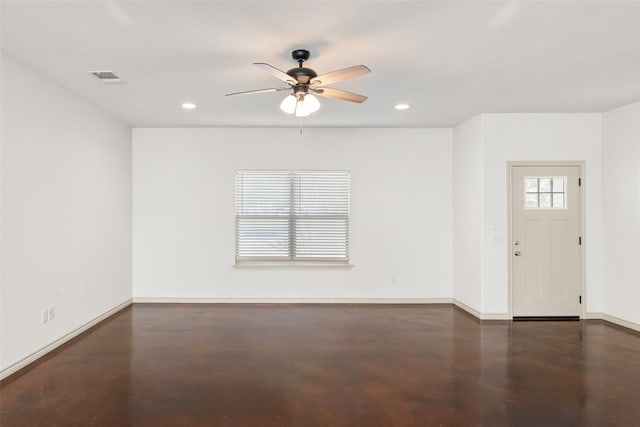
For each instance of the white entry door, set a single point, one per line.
(546, 246)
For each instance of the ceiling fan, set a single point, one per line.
(305, 82)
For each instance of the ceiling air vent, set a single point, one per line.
(106, 76)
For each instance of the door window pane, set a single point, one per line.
(531, 185)
(558, 200)
(545, 185)
(544, 192)
(545, 200)
(558, 185)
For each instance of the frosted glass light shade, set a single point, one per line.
(300, 111)
(310, 104)
(301, 106)
(288, 105)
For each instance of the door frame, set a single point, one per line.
(581, 206)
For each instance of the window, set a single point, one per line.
(545, 192)
(292, 216)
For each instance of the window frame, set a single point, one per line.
(292, 258)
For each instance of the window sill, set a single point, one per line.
(288, 265)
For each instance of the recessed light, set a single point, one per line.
(189, 106)
(402, 106)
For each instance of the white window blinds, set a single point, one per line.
(292, 216)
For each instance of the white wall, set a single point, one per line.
(401, 212)
(512, 137)
(66, 212)
(467, 213)
(621, 217)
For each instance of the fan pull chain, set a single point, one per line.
(297, 124)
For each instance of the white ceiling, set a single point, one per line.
(449, 60)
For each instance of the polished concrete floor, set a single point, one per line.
(330, 365)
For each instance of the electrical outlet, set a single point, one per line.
(51, 312)
(44, 316)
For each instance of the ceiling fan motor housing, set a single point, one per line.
(302, 74)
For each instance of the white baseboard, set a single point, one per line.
(588, 316)
(182, 300)
(472, 311)
(495, 316)
(57, 343)
(612, 319)
(593, 316)
(621, 322)
(482, 316)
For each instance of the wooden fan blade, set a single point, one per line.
(250, 92)
(343, 95)
(340, 75)
(278, 74)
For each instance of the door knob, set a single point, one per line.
(517, 253)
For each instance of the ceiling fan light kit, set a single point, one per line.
(304, 83)
(300, 104)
